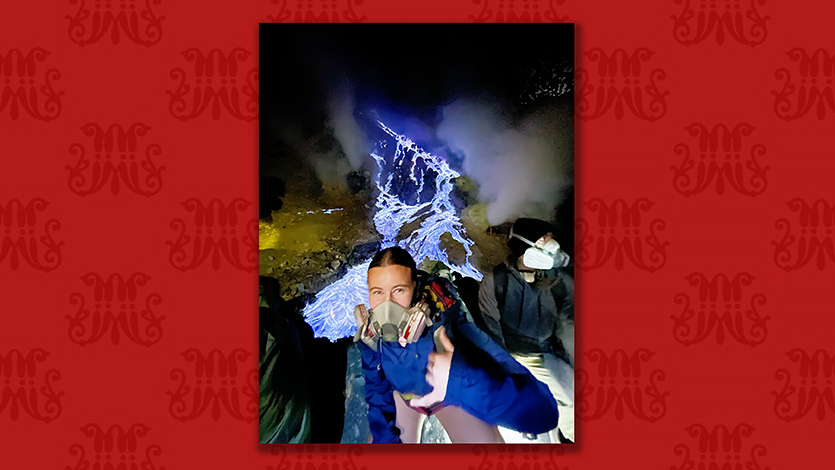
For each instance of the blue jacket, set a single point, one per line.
(484, 379)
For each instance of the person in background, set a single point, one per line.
(527, 305)
(297, 405)
(284, 414)
(453, 370)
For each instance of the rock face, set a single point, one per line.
(358, 181)
(433, 432)
(362, 252)
(310, 238)
(355, 430)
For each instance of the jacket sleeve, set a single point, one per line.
(379, 394)
(514, 398)
(489, 307)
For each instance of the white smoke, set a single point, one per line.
(521, 170)
(345, 128)
(350, 146)
(331, 168)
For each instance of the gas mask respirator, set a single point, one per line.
(548, 257)
(390, 321)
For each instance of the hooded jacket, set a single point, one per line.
(484, 379)
(528, 318)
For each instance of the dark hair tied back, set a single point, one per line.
(394, 255)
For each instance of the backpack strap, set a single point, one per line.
(500, 285)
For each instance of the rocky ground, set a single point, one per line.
(309, 240)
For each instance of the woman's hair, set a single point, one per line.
(394, 255)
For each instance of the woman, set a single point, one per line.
(453, 370)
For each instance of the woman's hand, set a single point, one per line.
(437, 373)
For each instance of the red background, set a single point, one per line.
(747, 388)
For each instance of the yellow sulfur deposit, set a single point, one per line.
(267, 236)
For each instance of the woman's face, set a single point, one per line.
(392, 282)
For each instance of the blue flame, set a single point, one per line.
(441, 218)
(331, 314)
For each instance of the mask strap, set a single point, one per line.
(522, 238)
(419, 285)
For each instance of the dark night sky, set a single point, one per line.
(406, 69)
(404, 72)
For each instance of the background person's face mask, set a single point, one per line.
(547, 257)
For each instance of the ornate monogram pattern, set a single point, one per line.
(815, 89)
(21, 238)
(519, 11)
(621, 386)
(45, 97)
(619, 236)
(115, 308)
(709, 164)
(814, 391)
(814, 238)
(518, 457)
(621, 84)
(22, 89)
(739, 319)
(94, 19)
(720, 449)
(315, 457)
(723, 16)
(217, 84)
(116, 448)
(217, 383)
(114, 159)
(23, 389)
(318, 11)
(217, 233)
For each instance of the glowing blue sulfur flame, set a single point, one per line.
(331, 314)
(439, 213)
